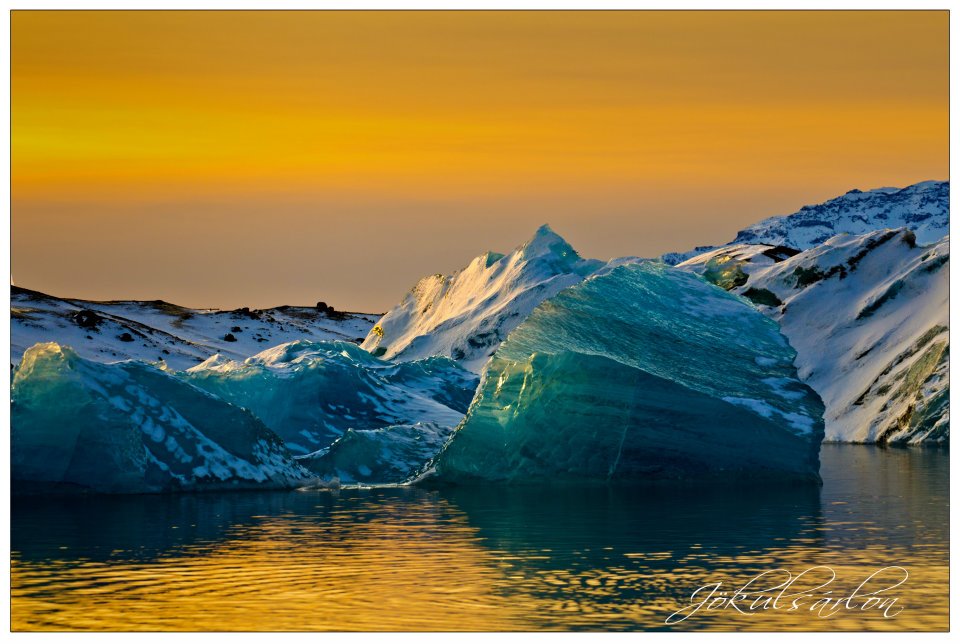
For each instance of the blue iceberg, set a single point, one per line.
(132, 427)
(378, 456)
(643, 372)
(310, 393)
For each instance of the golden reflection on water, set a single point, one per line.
(283, 574)
(402, 560)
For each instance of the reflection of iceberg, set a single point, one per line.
(310, 393)
(644, 372)
(522, 557)
(130, 427)
(148, 526)
(655, 526)
(633, 555)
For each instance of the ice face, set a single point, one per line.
(130, 427)
(646, 372)
(310, 393)
(386, 455)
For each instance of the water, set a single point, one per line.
(516, 559)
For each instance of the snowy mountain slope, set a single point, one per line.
(130, 427)
(924, 208)
(468, 314)
(868, 316)
(157, 330)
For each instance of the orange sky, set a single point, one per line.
(260, 158)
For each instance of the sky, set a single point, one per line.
(226, 159)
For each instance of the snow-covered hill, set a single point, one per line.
(468, 314)
(924, 208)
(868, 316)
(157, 330)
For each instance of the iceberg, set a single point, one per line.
(379, 456)
(131, 427)
(467, 315)
(645, 372)
(310, 393)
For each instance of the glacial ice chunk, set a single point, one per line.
(468, 314)
(645, 372)
(131, 427)
(310, 393)
(385, 455)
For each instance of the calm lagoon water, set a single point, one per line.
(493, 559)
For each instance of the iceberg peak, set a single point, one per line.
(547, 242)
(466, 315)
(218, 362)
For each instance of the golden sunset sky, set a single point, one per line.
(260, 158)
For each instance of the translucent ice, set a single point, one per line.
(131, 427)
(310, 393)
(386, 455)
(645, 372)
